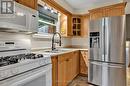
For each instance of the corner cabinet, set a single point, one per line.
(83, 62)
(80, 25)
(29, 3)
(76, 26)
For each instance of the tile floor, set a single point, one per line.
(79, 81)
(82, 81)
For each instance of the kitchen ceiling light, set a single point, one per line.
(52, 11)
(59, 13)
(45, 7)
(20, 14)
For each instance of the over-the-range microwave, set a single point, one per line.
(24, 19)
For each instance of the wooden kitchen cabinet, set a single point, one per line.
(83, 62)
(76, 25)
(80, 24)
(112, 10)
(69, 25)
(85, 25)
(29, 3)
(62, 72)
(54, 70)
(65, 25)
(68, 68)
(75, 64)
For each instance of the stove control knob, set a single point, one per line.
(39, 55)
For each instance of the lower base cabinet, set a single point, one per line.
(66, 67)
(84, 62)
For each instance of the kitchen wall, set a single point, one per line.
(46, 43)
(19, 39)
(81, 42)
(28, 41)
(127, 9)
(36, 43)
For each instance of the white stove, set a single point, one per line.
(17, 63)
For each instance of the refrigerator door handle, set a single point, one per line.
(95, 63)
(116, 67)
(107, 65)
(103, 39)
(107, 39)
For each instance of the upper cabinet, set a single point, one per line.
(80, 25)
(63, 24)
(112, 10)
(76, 26)
(29, 3)
(85, 25)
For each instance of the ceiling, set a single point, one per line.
(82, 6)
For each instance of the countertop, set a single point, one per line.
(60, 52)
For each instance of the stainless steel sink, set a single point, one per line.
(51, 51)
(56, 51)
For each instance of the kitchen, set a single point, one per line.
(49, 43)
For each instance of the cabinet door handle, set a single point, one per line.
(67, 60)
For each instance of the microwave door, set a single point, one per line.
(115, 40)
(16, 21)
(33, 21)
(97, 40)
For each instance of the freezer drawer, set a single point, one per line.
(105, 74)
(94, 74)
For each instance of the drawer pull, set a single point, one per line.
(67, 60)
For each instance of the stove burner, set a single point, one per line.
(8, 60)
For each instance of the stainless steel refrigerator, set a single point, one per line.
(107, 62)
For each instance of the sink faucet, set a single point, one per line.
(53, 40)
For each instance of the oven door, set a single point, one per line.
(38, 77)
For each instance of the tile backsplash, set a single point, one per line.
(83, 42)
(46, 43)
(21, 40)
(36, 43)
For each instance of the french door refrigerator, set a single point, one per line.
(107, 64)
